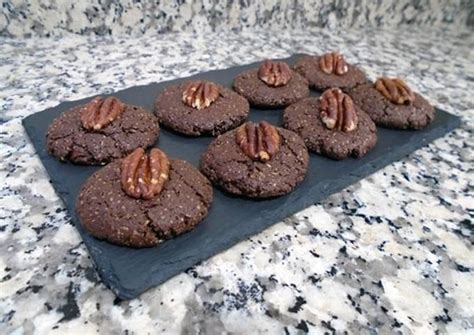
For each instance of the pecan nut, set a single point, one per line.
(200, 94)
(99, 112)
(142, 175)
(274, 73)
(337, 110)
(333, 63)
(258, 141)
(395, 90)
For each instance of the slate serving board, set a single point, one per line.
(129, 272)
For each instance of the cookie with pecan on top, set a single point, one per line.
(256, 160)
(199, 107)
(143, 199)
(272, 85)
(329, 70)
(391, 103)
(332, 125)
(100, 131)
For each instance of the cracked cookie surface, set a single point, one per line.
(228, 111)
(108, 213)
(68, 140)
(385, 113)
(308, 67)
(260, 95)
(304, 119)
(227, 166)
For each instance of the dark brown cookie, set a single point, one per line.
(303, 117)
(385, 113)
(227, 111)
(228, 165)
(261, 95)
(69, 140)
(309, 67)
(108, 213)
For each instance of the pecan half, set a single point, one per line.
(274, 73)
(258, 141)
(200, 94)
(143, 176)
(99, 112)
(333, 63)
(337, 110)
(395, 90)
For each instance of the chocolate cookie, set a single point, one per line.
(273, 85)
(332, 125)
(257, 161)
(329, 70)
(200, 108)
(416, 113)
(100, 131)
(126, 204)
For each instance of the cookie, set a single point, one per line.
(415, 114)
(256, 160)
(112, 210)
(272, 85)
(100, 131)
(197, 108)
(345, 131)
(329, 70)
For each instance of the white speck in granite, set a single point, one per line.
(390, 254)
(411, 304)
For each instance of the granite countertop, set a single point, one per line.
(132, 17)
(392, 253)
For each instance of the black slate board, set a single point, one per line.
(129, 272)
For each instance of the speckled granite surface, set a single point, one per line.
(392, 253)
(113, 17)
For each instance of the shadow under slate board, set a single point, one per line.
(129, 272)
